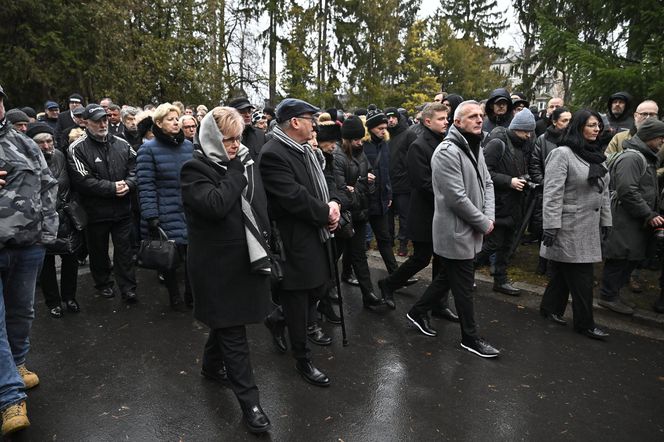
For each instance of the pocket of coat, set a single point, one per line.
(569, 208)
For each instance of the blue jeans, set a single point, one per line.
(19, 268)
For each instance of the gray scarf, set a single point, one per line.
(313, 168)
(209, 139)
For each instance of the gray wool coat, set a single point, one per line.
(575, 207)
(463, 198)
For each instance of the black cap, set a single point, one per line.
(292, 107)
(240, 103)
(329, 132)
(30, 112)
(391, 112)
(75, 98)
(38, 128)
(94, 112)
(79, 111)
(353, 128)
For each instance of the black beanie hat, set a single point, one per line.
(329, 132)
(375, 118)
(391, 111)
(352, 129)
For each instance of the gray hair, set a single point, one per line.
(129, 111)
(42, 136)
(461, 108)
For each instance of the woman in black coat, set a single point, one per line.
(226, 212)
(353, 178)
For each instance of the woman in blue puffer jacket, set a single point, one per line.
(158, 167)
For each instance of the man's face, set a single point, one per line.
(655, 144)
(46, 145)
(379, 131)
(470, 119)
(74, 104)
(189, 112)
(618, 106)
(246, 115)
(392, 120)
(52, 113)
(500, 107)
(105, 103)
(114, 116)
(98, 128)
(2, 108)
(21, 126)
(438, 123)
(645, 111)
(327, 146)
(79, 121)
(554, 104)
(189, 128)
(303, 125)
(523, 134)
(130, 122)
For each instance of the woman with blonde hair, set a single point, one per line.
(158, 166)
(226, 210)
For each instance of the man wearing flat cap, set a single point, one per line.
(28, 221)
(103, 172)
(66, 119)
(252, 137)
(51, 113)
(305, 212)
(634, 210)
(18, 119)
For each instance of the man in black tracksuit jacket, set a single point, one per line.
(507, 155)
(102, 170)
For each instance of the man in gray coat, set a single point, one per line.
(463, 214)
(634, 210)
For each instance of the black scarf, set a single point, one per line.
(474, 141)
(592, 153)
(175, 140)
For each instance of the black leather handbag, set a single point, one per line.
(345, 229)
(158, 254)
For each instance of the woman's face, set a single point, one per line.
(326, 146)
(232, 144)
(563, 121)
(170, 125)
(591, 129)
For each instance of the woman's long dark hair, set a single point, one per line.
(574, 134)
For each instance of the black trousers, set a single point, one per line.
(228, 347)
(615, 276)
(457, 275)
(400, 207)
(295, 307)
(422, 254)
(357, 255)
(384, 240)
(123, 264)
(574, 278)
(68, 279)
(499, 242)
(171, 280)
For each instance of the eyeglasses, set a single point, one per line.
(232, 140)
(312, 119)
(647, 114)
(593, 126)
(189, 127)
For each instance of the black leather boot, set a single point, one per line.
(369, 301)
(325, 309)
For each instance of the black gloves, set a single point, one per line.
(236, 165)
(549, 236)
(153, 227)
(606, 231)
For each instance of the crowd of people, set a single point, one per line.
(262, 204)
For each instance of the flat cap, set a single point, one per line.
(292, 107)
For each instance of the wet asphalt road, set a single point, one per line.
(116, 373)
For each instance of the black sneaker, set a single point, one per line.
(108, 292)
(481, 348)
(422, 323)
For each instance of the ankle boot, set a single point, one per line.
(176, 302)
(325, 309)
(370, 300)
(658, 306)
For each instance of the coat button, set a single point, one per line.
(596, 210)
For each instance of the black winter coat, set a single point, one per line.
(378, 154)
(544, 144)
(400, 139)
(254, 139)
(69, 239)
(65, 122)
(420, 215)
(225, 292)
(507, 158)
(95, 166)
(353, 172)
(492, 120)
(298, 214)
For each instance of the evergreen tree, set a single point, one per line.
(474, 19)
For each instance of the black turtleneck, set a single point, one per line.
(173, 140)
(473, 140)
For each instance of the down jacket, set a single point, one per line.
(158, 167)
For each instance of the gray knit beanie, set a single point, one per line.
(524, 120)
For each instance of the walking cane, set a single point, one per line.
(332, 252)
(531, 201)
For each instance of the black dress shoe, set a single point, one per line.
(218, 375)
(422, 324)
(317, 336)
(558, 319)
(277, 332)
(388, 295)
(255, 419)
(369, 301)
(326, 310)
(55, 312)
(506, 288)
(108, 292)
(594, 333)
(411, 281)
(72, 306)
(130, 297)
(311, 374)
(445, 313)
